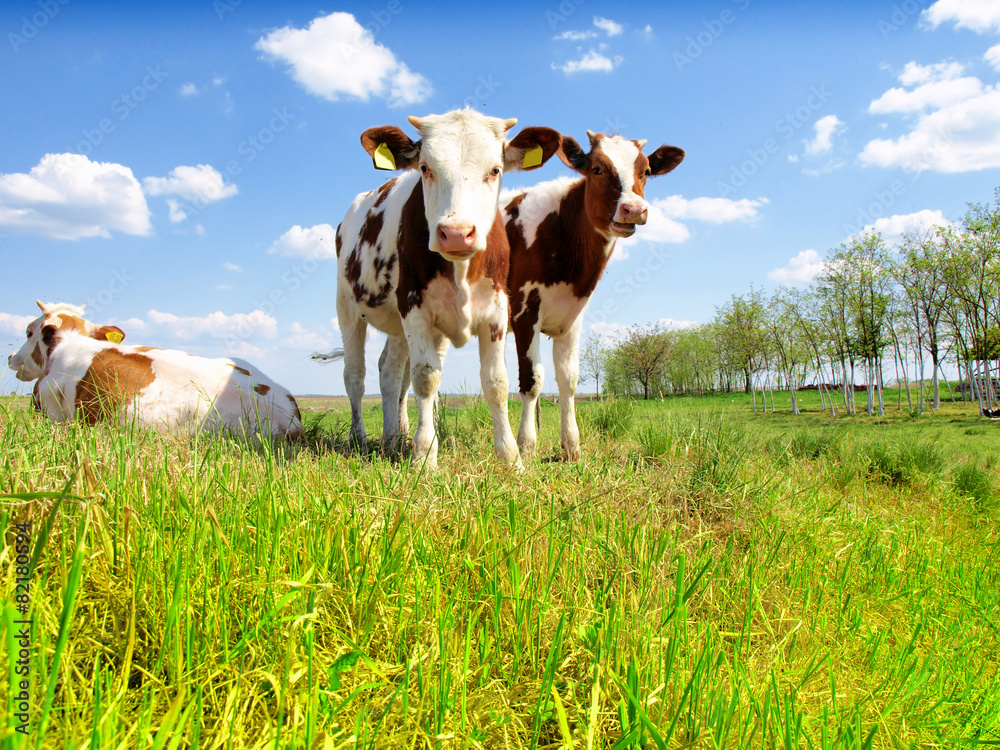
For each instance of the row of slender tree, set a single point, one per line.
(874, 313)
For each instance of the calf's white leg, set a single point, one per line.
(566, 356)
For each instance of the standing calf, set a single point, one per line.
(561, 235)
(83, 371)
(424, 258)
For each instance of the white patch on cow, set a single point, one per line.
(623, 154)
(542, 200)
(559, 308)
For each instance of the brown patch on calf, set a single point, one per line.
(496, 332)
(338, 241)
(513, 208)
(36, 396)
(112, 380)
(147, 349)
(494, 262)
(372, 228)
(383, 193)
(262, 389)
(36, 356)
(239, 369)
(523, 327)
(418, 265)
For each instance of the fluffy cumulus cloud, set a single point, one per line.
(68, 197)
(217, 325)
(825, 128)
(714, 210)
(14, 324)
(801, 269)
(992, 56)
(663, 225)
(336, 57)
(609, 27)
(893, 228)
(594, 61)
(956, 122)
(298, 336)
(315, 242)
(978, 15)
(200, 185)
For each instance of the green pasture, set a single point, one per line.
(704, 577)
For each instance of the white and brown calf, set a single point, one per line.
(424, 259)
(83, 371)
(561, 236)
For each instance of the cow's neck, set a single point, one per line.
(585, 251)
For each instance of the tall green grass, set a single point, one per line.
(698, 580)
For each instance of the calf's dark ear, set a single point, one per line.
(390, 148)
(573, 156)
(665, 159)
(114, 334)
(530, 149)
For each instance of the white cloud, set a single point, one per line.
(216, 325)
(648, 31)
(992, 56)
(200, 185)
(825, 128)
(933, 94)
(608, 26)
(978, 15)
(957, 127)
(67, 196)
(177, 214)
(232, 267)
(222, 287)
(714, 210)
(335, 56)
(575, 36)
(315, 242)
(15, 324)
(591, 62)
(189, 89)
(801, 269)
(300, 337)
(892, 228)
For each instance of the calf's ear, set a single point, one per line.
(665, 159)
(530, 149)
(573, 156)
(390, 148)
(114, 334)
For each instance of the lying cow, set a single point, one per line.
(84, 372)
(561, 236)
(424, 258)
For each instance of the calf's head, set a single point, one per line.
(461, 156)
(616, 171)
(45, 333)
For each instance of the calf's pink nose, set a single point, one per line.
(457, 237)
(635, 213)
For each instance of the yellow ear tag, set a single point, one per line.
(114, 337)
(532, 158)
(383, 158)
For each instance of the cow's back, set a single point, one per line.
(368, 253)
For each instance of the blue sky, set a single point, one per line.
(178, 167)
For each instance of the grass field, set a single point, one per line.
(704, 578)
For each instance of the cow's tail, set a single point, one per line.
(328, 357)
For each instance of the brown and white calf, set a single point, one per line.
(561, 236)
(83, 371)
(424, 259)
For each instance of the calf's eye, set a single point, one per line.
(597, 170)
